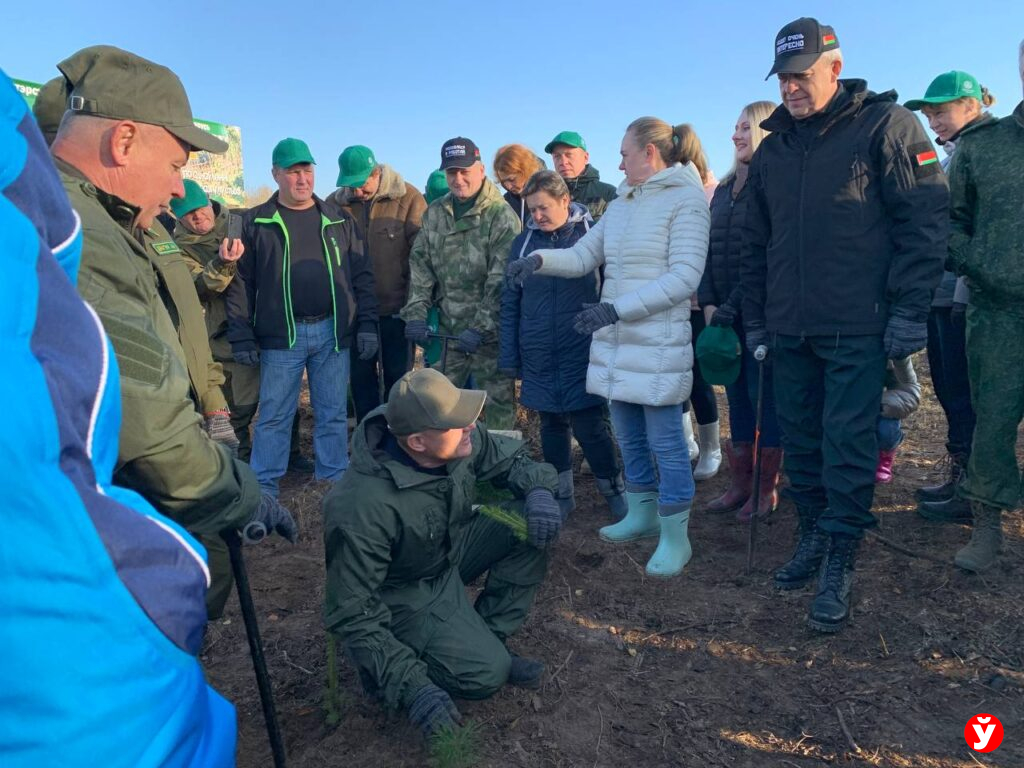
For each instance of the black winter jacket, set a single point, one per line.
(588, 189)
(848, 219)
(258, 300)
(720, 283)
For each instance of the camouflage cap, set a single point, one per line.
(50, 105)
(426, 399)
(112, 83)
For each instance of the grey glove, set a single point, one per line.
(904, 335)
(543, 517)
(595, 316)
(519, 270)
(218, 427)
(367, 344)
(469, 341)
(724, 316)
(757, 337)
(416, 330)
(249, 357)
(432, 710)
(269, 516)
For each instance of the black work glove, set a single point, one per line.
(723, 317)
(512, 373)
(904, 335)
(432, 710)
(958, 315)
(757, 337)
(518, 271)
(218, 426)
(543, 517)
(367, 344)
(416, 330)
(469, 341)
(269, 516)
(250, 357)
(595, 316)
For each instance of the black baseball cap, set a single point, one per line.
(459, 152)
(800, 43)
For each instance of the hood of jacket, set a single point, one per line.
(577, 213)
(851, 97)
(674, 176)
(392, 187)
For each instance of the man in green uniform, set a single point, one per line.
(571, 159)
(399, 557)
(120, 150)
(986, 185)
(458, 264)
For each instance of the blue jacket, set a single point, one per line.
(103, 601)
(537, 336)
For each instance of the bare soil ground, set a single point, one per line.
(713, 668)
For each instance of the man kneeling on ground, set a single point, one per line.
(403, 538)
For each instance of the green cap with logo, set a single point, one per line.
(437, 186)
(355, 164)
(50, 105)
(112, 83)
(426, 399)
(194, 198)
(719, 353)
(569, 138)
(289, 152)
(948, 86)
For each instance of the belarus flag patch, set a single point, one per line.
(828, 40)
(926, 158)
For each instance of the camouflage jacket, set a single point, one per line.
(986, 187)
(459, 266)
(163, 452)
(211, 276)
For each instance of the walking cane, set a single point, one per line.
(252, 630)
(759, 355)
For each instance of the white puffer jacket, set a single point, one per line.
(653, 241)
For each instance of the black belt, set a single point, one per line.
(313, 318)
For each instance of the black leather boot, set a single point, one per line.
(830, 608)
(810, 549)
(951, 510)
(947, 488)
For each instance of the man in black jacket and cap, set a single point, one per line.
(845, 241)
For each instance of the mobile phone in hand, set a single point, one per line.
(234, 226)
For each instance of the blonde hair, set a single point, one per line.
(516, 160)
(691, 151)
(667, 139)
(756, 113)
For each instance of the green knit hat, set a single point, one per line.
(719, 354)
(437, 186)
(194, 198)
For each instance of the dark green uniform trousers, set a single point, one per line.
(828, 394)
(995, 366)
(462, 644)
(499, 412)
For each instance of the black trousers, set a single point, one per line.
(828, 393)
(593, 430)
(394, 355)
(947, 361)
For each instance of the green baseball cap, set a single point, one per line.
(719, 354)
(194, 198)
(112, 83)
(355, 164)
(569, 138)
(50, 105)
(426, 399)
(289, 152)
(948, 86)
(437, 186)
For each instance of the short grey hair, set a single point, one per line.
(829, 56)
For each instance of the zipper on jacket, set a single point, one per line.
(800, 260)
(324, 224)
(286, 276)
(900, 161)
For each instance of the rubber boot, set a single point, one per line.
(691, 442)
(947, 488)
(674, 551)
(640, 522)
(883, 472)
(810, 551)
(982, 550)
(710, 452)
(741, 475)
(771, 462)
(830, 608)
(566, 497)
(614, 493)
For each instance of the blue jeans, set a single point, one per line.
(280, 381)
(642, 430)
(890, 433)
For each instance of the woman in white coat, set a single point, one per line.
(652, 241)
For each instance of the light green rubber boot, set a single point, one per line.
(674, 550)
(640, 522)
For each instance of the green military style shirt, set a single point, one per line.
(164, 454)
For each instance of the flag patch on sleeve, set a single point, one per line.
(924, 160)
